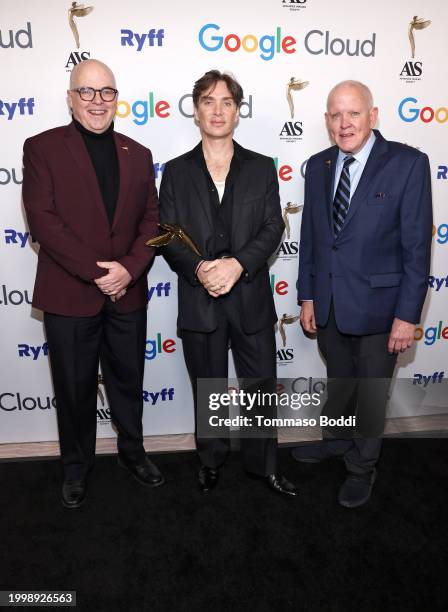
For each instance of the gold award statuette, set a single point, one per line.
(77, 10)
(286, 320)
(294, 85)
(418, 23)
(173, 231)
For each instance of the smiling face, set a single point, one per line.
(350, 117)
(216, 112)
(96, 115)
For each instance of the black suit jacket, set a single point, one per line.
(257, 227)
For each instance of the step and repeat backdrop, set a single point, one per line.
(287, 54)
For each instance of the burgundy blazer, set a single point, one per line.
(67, 216)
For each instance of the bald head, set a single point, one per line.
(91, 110)
(350, 115)
(89, 69)
(354, 86)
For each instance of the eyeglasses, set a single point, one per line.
(107, 94)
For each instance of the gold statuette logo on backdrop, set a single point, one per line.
(77, 10)
(290, 209)
(289, 249)
(413, 69)
(286, 320)
(294, 85)
(418, 23)
(292, 130)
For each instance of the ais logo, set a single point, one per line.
(267, 46)
(294, 5)
(75, 58)
(408, 112)
(291, 131)
(289, 249)
(285, 356)
(431, 334)
(158, 346)
(411, 72)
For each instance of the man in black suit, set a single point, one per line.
(226, 199)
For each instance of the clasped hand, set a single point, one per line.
(114, 283)
(219, 275)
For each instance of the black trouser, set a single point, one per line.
(206, 356)
(349, 358)
(76, 345)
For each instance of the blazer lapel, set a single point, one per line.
(330, 170)
(77, 148)
(200, 186)
(124, 155)
(377, 159)
(240, 188)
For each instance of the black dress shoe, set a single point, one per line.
(281, 485)
(207, 479)
(146, 472)
(356, 490)
(73, 493)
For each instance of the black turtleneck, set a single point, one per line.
(102, 151)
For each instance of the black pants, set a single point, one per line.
(76, 345)
(350, 358)
(206, 356)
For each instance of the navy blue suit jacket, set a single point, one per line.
(377, 268)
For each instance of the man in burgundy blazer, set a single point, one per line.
(91, 203)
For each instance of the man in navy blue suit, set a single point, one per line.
(364, 262)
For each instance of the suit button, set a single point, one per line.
(221, 235)
(112, 234)
(330, 275)
(334, 248)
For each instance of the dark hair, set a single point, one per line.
(210, 80)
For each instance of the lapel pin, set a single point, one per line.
(328, 163)
(126, 149)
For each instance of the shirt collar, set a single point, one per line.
(362, 155)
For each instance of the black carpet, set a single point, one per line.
(240, 548)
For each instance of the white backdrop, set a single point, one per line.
(272, 40)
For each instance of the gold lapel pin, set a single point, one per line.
(328, 163)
